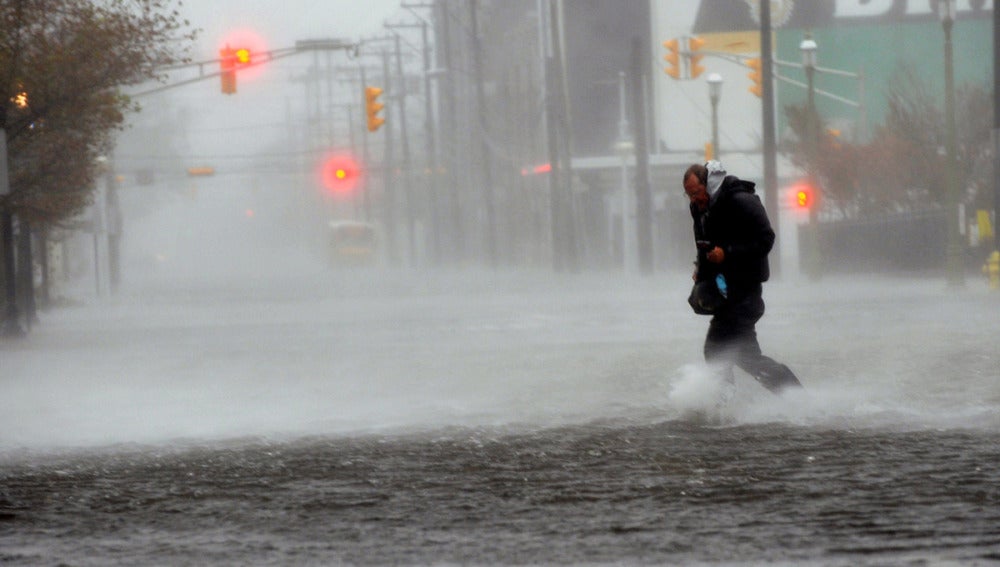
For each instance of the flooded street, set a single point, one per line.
(499, 418)
(615, 492)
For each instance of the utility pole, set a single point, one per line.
(331, 131)
(955, 262)
(388, 200)
(643, 193)
(564, 253)
(114, 225)
(366, 199)
(770, 153)
(404, 139)
(552, 138)
(449, 126)
(996, 128)
(434, 217)
(552, 124)
(352, 142)
(487, 162)
(564, 190)
(625, 148)
(566, 138)
(432, 159)
(388, 167)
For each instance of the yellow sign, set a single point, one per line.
(204, 171)
(985, 226)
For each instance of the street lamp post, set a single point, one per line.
(714, 92)
(808, 48)
(956, 271)
(625, 148)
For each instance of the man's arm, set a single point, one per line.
(756, 235)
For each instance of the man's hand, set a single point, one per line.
(716, 255)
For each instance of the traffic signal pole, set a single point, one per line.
(366, 155)
(407, 165)
(432, 158)
(455, 236)
(258, 59)
(388, 168)
(434, 215)
(487, 161)
(770, 154)
(552, 126)
(996, 128)
(559, 132)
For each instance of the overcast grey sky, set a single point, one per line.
(267, 96)
(282, 22)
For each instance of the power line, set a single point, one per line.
(203, 157)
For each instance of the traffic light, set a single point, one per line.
(242, 56)
(694, 57)
(373, 107)
(688, 49)
(755, 76)
(227, 62)
(804, 197)
(673, 58)
(340, 174)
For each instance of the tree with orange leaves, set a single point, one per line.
(63, 64)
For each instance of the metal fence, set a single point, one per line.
(900, 242)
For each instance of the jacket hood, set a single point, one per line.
(716, 175)
(720, 184)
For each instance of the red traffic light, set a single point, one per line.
(245, 49)
(340, 174)
(803, 196)
(227, 64)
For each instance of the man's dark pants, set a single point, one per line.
(732, 339)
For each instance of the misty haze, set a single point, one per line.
(339, 303)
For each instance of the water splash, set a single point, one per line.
(699, 393)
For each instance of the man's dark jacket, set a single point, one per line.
(736, 222)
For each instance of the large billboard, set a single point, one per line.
(864, 46)
(734, 15)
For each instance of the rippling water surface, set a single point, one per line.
(499, 419)
(670, 492)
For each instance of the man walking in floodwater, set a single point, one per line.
(733, 237)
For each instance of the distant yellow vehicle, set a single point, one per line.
(352, 243)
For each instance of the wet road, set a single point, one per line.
(618, 493)
(499, 420)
